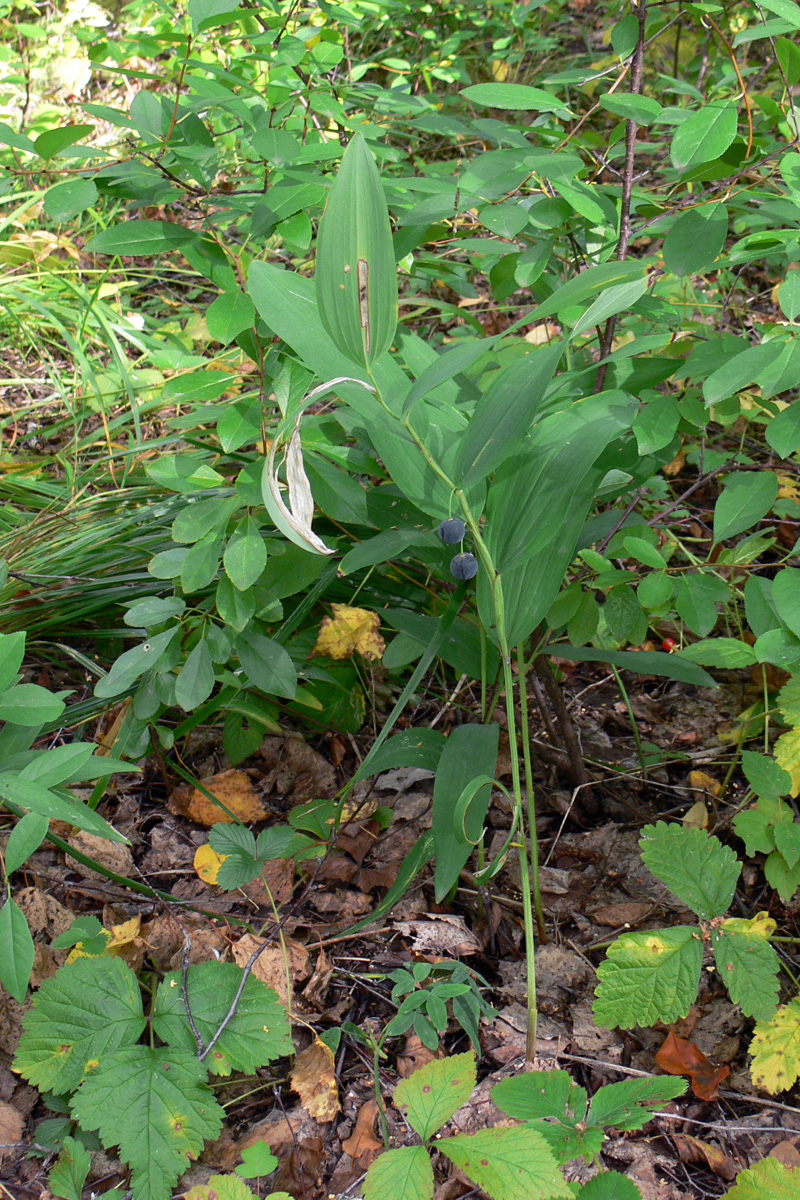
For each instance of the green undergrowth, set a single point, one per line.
(360, 350)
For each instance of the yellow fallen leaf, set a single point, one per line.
(775, 1049)
(207, 863)
(313, 1077)
(675, 465)
(700, 781)
(350, 631)
(231, 788)
(122, 935)
(787, 755)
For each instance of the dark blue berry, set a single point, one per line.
(452, 532)
(464, 566)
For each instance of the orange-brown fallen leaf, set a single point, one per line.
(362, 1145)
(313, 1077)
(692, 1150)
(679, 1056)
(350, 631)
(231, 788)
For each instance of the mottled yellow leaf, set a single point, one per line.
(314, 1079)
(761, 925)
(207, 863)
(789, 700)
(703, 782)
(123, 935)
(350, 631)
(787, 755)
(775, 1049)
(767, 1180)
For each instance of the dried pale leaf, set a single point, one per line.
(619, 916)
(12, 1126)
(350, 631)
(207, 863)
(125, 935)
(294, 520)
(313, 1077)
(441, 934)
(675, 465)
(272, 965)
(362, 1145)
(231, 788)
(697, 816)
(111, 855)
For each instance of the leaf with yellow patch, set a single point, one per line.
(207, 863)
(761, 925)
(220, 1187)
(350, 631)
(314, 1079)
(767, 1178)
(789, 700)
(787, 755)
(775, 1049)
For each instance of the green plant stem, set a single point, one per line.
(524, 862)
(522, 683)
(632, 718)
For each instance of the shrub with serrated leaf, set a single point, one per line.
(654, 975)
(81, 1038)
(513, 1162)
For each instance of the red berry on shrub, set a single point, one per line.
(452, 532)
(669, 644)
(464, 566)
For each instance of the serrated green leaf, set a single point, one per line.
(610, 1185)
(748, 967)
(778, 874)
(755, 827)
(404, 1174)
(540, 1094)
(508, 1164)
(69, 1174)
(768, 1178)
(696, 868)
(764, 775)
(153, 1104)
(256, 1034)
(224, 1187)
(432, 1094)
(16, 951)
(649, 977)
(84, 1013)
(628, 1105)
(356, 277)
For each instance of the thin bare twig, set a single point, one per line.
(187, 949)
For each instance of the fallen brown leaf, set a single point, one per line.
(271, 965)
(441, 934)
(692, 1150)
(414, 1055)
(232, 788)
(313, 1077)
(11, 1128)
(362, 1145)
(678, 1056)
(111, 855)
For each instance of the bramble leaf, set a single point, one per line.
(649, 977)
(220, 1187)
(404, 1174)
(154, 1104)
(767, 1178)
(89, 1009)
(257, 1033)
(432, 1094)
(610, 1185)
(696, 868)
(69, 1174)
(748, 966)
(628, 1105)
(540, 1094)
(508, 1164)
(775, 1049)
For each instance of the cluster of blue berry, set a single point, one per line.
(451, 532)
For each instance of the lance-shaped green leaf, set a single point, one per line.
(356, 272)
